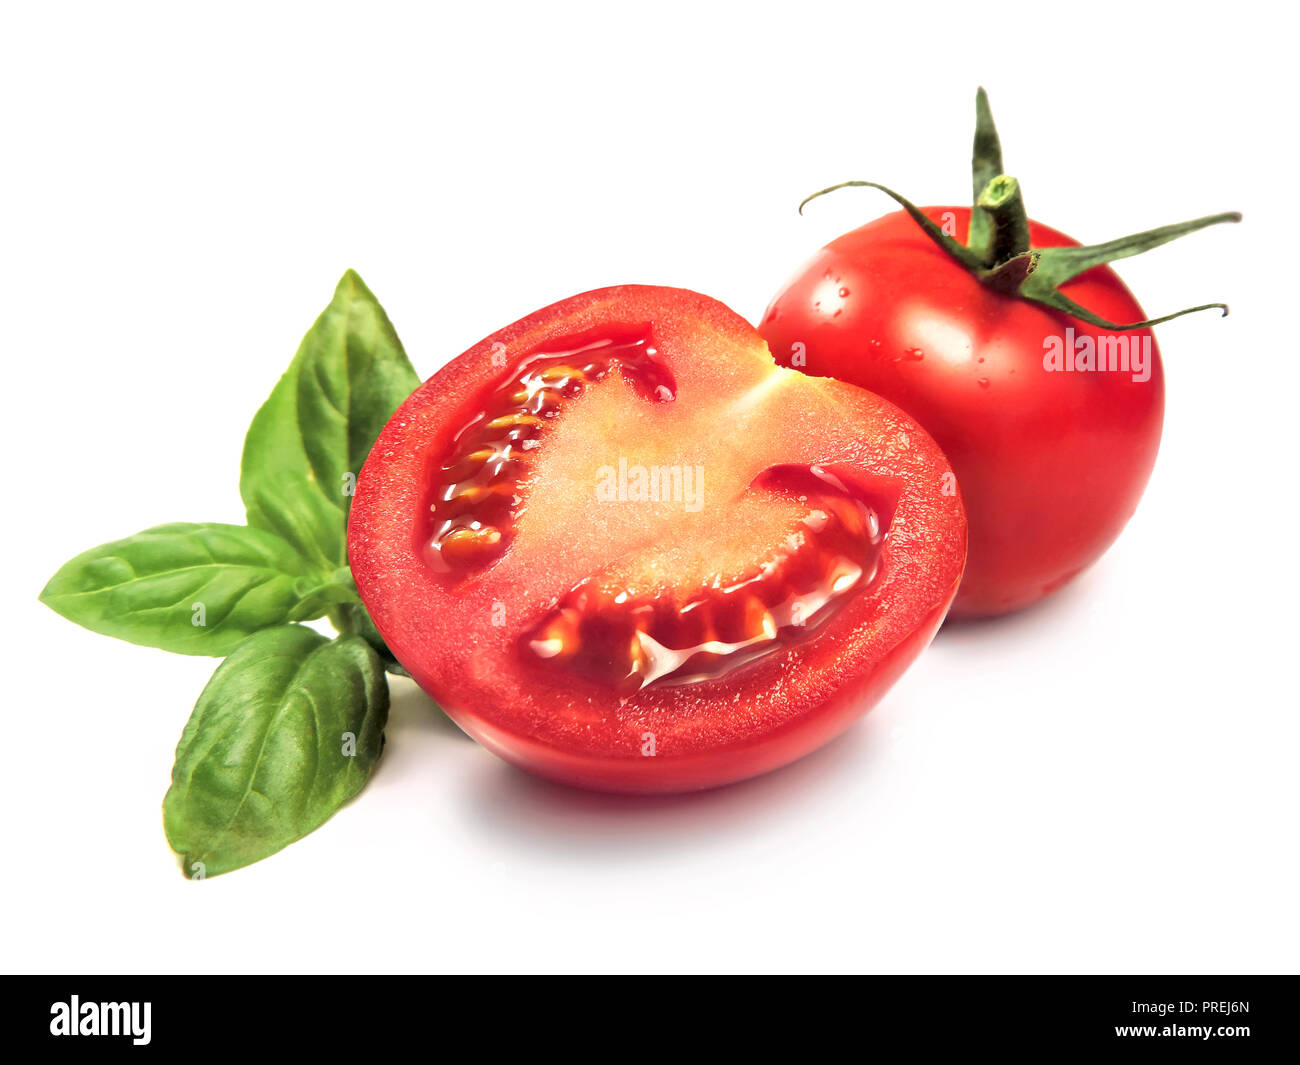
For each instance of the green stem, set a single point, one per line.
(1001, 202)
(998, 251)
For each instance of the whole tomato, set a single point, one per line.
(1020, 351)
(1051, 464)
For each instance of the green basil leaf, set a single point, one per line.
(323, 597)
(307, 443)
(288, 729)
(196, 589)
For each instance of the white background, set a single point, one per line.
(1104, 783)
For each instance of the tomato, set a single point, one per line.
(625, 550)
(1051, 464)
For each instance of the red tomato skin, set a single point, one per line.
(755, 720)
(712, 767)
(1051, 464)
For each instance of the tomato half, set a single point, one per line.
(1051, 464)
(624, 550)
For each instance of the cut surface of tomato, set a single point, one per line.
(623, 549)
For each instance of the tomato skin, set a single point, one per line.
(711, 766)
(1051, 464)
(765, 715)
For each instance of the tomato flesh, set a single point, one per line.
(476, 495)
(1051, 464)
(630, 630)
(623, 549)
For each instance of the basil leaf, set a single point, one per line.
(288, 729)
(197, 589)
(307, 443)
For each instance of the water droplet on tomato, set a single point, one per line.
(983, 382)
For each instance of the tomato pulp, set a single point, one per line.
(625, 550)
(1051, 462)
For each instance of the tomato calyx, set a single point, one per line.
(998, 252)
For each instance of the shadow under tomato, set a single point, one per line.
(527, 812)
